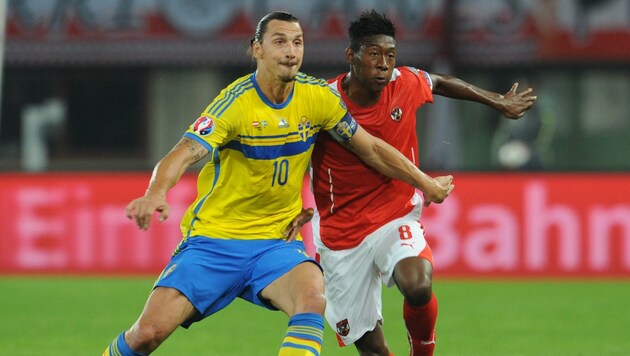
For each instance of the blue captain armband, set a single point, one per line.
(345, 129)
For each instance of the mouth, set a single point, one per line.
(289, 64)
(381, 80)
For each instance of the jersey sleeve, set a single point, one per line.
(341, 124)
(423, 85)
(213, 132)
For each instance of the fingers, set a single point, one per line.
(141, 211)
(296, 224)
(308, 215)
(164, 213)
(514, 87)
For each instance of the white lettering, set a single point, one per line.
(602, 222)
(442, 225)
(494, 246)
(40, 228)
(539, 218)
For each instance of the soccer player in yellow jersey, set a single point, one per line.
(239, 234)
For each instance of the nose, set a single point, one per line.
(291, 50)
(382, 63)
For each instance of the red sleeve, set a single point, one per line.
(422, 82)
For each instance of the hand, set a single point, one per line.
(442, 187)
(296, 224)
(513, 105)
(141, 210)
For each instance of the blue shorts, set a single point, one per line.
(211, 273)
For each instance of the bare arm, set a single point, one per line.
(165, 175)
(512, 104)
(389, 161)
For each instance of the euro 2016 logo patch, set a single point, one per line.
(343, 327)
(203, 126)
(396, 114)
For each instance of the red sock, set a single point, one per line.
(420, 322)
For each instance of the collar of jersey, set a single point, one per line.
(264, 98)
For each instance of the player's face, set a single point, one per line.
(374, 64)
(281, 51)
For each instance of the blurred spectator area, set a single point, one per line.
(132, 75)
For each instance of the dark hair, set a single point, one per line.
(369, 23)
(261, 28)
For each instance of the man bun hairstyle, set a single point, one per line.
(369, 23)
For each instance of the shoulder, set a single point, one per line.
(318, 86)
(231, 95)
(240, 84)
(308, 80)
(412, 74)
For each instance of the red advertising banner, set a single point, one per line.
(150, 31)
(493, 225)
(533, 225)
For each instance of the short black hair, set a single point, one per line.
(369, 23)
(261, 28)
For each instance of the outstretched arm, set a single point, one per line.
(165, 175)
(389, 161)
(512, 104)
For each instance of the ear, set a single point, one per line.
(256, 50)
(349, 55)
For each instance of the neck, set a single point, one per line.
(358, 93)
(274, 89)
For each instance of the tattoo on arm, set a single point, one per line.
(197, 150)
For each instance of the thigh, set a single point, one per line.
(301, 290)
(281, 275)
(398, 240)
(210, 273)
(353, 292)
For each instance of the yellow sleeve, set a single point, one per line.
(334, 109)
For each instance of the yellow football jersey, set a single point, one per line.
(259, 152)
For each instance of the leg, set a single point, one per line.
(300, 294)
(373, 343)
(301, 290)
(164, 311)
(413, 277)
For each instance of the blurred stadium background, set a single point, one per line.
(532, 249)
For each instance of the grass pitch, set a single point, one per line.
(81, 315)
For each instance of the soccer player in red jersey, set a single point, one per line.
(258, 135)
(368, 230)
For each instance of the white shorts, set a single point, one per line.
(353, 277)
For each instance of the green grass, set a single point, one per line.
(80, 316)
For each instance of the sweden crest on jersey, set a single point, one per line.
(304, 127)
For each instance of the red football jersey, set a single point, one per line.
(352, 198)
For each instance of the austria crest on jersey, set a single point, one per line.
(396, 113)
(343, 327)
(203, 126)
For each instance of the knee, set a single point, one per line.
(145, 338)
(419, 293)
(313, 302)
(310, 302)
